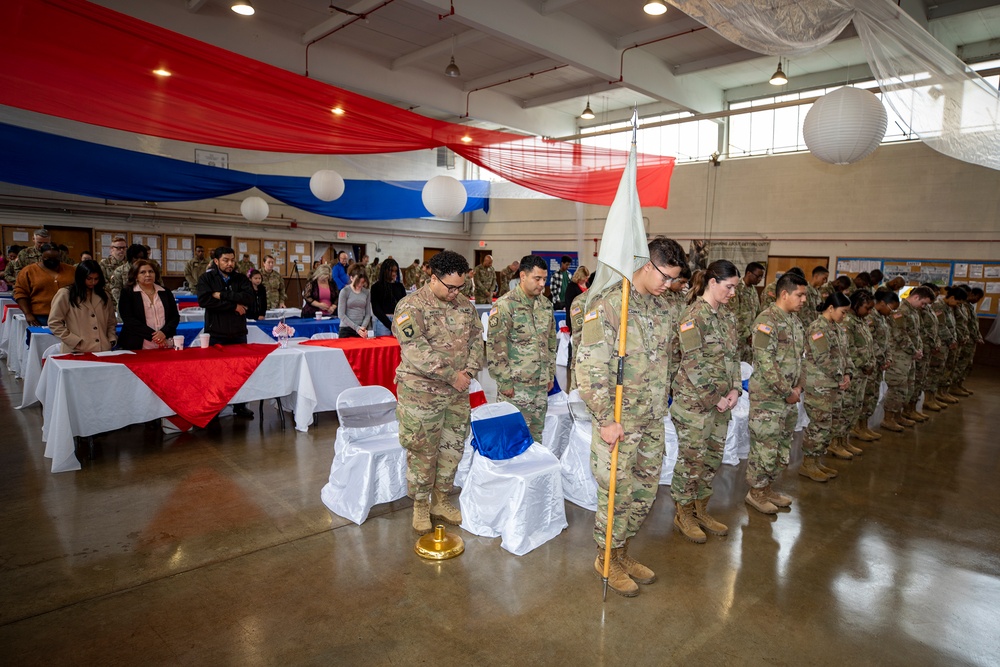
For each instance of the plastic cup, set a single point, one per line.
(371, 333)
(203, 339)
(319, 315)
(178, 342)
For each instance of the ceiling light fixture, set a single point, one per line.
(337, 111)
(778, 78)
(161, 72)
(243, 7)
(587, 113)
(452, 69)
(467, 139)
(655, 7)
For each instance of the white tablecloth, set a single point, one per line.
(32, 366)
(4, 334)
(308, 379)
(192, 315)
(17, 348)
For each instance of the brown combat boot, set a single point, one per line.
(903, 420)
(945, 398)
(853, 449)
(777, 499)
(757, 499)
(968, 392)
(618, 579)
(442, 508)
(837, 449)
(421, 517)
(875, 435)
(706, 521)
(860, 432)
(685, 522)
(889, 422)
(911, 412)
(825, 469)
(959, 390)
(919, 412)
(931, 403)
(810, 470)
(639, 573)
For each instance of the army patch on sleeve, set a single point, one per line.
(408, 331)
(817, 335)
(764, 328)
(575, 311)
(402, 319)
(592, 315)
(896, 316)
(687, 326)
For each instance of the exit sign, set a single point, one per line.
(482, 244)
(341, 235)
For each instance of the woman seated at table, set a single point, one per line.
(258, 310)
(355, 305)
(149, 312)
(386, 293)
(82, 314)
(319, 293)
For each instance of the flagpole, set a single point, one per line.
(619, 387)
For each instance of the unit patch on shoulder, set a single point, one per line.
(817, 335)
(687, 326)
(764, 328)
(402, 319)
(592, 315)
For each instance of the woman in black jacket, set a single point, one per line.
(385, 294)
(149, 312)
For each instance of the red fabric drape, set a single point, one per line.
(197, 382)
(374, 360)
(81, 61)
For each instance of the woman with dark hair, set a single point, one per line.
(82, 314)
(705, 390)
(386, 293)
(149, 312)
(259, 308)
(827, 369)
(355, 305)
(861, 348)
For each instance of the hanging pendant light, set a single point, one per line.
(655, 7)
(452, 69)
(587, 113)
(243, 7)
(778, 78)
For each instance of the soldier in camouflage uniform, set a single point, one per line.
(504, 278)
(411, 274)
(967, 349)
(828, 370)
(109, 264)
(810, 311)
(775, 390)
(120, 276)
(245, 266)
(273, 283)
(921, 363)
(646, 382)
(440, 340)
(485, 277)
(861, 348)
(886, 303)
(939, 377)
(745, 305)
(705, 388)
(28, 256)
(933, 353)
(469, 287)
(906, 346)
(372, 271)
(195, 266)
(521, 344)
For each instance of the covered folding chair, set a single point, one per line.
(558, 423)
(671, 447)
(738, 435)
(369, 465)
(477, 397)
(324, 335)
(579, 485)
(520, 498)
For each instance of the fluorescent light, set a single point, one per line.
(655, 7)
(243, 7)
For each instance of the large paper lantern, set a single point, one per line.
(444, 196)
(254, 209)
(845, 126)
(327, 185)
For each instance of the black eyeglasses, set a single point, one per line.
(451, 288)
(118, 247)
(665, 276)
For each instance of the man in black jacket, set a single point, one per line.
(226, 294)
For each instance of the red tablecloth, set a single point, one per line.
(196, 382)
(9, 307)
(374, 360)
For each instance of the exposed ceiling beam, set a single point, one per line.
(550, 6)
(658, 31)
(944, 9)
(569, 93)
(326, 27)
(978, 51)
(566, 39)
(720, 60)
(797, 82)
(916, 9)
(444, 46)
(507, 74)
(195, 5)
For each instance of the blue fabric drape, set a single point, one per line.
(501, 438)
(52, 162)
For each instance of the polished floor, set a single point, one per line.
(214, 549)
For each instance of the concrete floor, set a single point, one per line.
(214, 549)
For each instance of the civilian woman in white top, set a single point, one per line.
(355, 305)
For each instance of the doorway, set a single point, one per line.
(76, 239)
(780, 264)
(481, 255)
(430, 252)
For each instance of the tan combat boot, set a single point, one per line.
(968, 392)
(757, 499)
(686, 524)
(777, 499)
(706, 521)
(845, 442)
(875, 435)
(639, 573)
(837, 449)
(959, 390)
(945, 398)
(911, 412)
(442, 508)
(810, 470)
(923, 416)
(930, 402)
(421, 517)
(826, 470)
(904, 420)
(860, 432)
(889, 422)
(618, 579)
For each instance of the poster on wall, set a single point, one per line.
(739, 253)
(553, 259)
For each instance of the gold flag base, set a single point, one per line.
(439, 545)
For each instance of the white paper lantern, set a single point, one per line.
(444, 196)
(845, 126)
(327, 185)
(254, 209)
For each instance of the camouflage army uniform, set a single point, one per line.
(769, 295)
(108, 266)
(878, 326)
(372, 271)
(825, 291)
(861, 349)
(931, 345)
(904, 342)
(411, 275)
(646, 381)
(504, 276)
(521, 345)
(575, 317)
(118, 280)
(469, 288)
(939, 376)
(244, 266)
(968, 350)
(437, 340)
(810, 309)
(27, 257)
(745, 306)
(709, 369)
(274, 284)
(778, 344)
(193, 270)
(486, 283)
(826, 363)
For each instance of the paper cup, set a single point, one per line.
(178, 342)
(203, 339)
(371, 333)
(319, 315)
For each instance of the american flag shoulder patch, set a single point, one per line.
(402, 319)
(817, 335)
(592, 315)
(576, 310)
(687, 326)
(764, 328)
(494, 310)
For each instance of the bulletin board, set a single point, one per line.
(179, 250)
(982, 274)
(250, 247)
(103, 239)
(277, 250)
(299, 253)
(155, 243)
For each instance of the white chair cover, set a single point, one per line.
(476, 396)
(803, 420)
(324, 335)
(555, 435)
(562, 350)
(369, 465)
(485, 318)
(671, 446)
(519, 499)
(879, 414)
(579, 485)
(738, 435)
